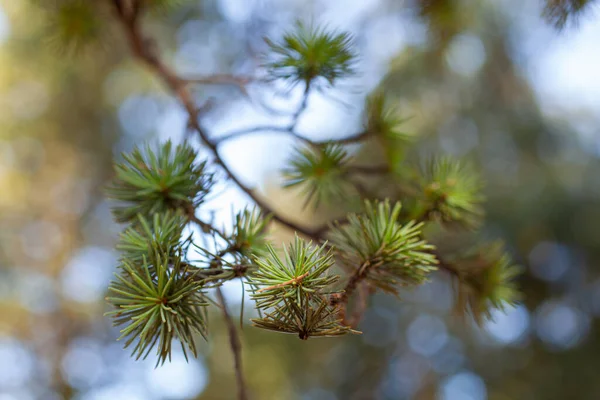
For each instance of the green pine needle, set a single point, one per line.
(385, 252)
(144, 239)
(156, 308)
(250, 232)
(307, 318)
(74, 24)
(452, 193)
(561, 12)
(312, 52)
(294, 291)
(320, 171)
(486, 280)
(382, 120)
(302, 271)
(153, 182)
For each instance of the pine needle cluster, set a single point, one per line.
(155, 181)
(311, 52)
(452, 193)
(382, 119)
(158, 301)
(73, 25)
(163, 234)
(294, 290)
(561, 12)
(249, 236)
(485, 280)
(320, 171)
(382, 250)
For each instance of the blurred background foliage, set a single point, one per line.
(493, 81)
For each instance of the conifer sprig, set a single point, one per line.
(561, 12)
(157, 303)
(383, 251)
(152, 182)
(452, 193)
(302, 271)
(249, 235)
(74, 25)
(144, 238)
(382, 120)
(294, 291)
(311, 317)
(311, 52)
(320, 171)
(485, 280)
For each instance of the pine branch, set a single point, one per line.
(271, 129)
(263, 129)
(205, 226)
(236, 346)
(302, 107)
(389, 254)
(220, 79)
(141, 50)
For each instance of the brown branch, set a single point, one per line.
(342, 299)
(269, 129)
(302, 107)
(357, 137)
(361, 306)
(236, 347)
(220, 79)
(205, 226)
(262, 129)
(355, 282)
(141, 48)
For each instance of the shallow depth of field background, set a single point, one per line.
(492, 82)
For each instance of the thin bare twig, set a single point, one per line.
(220, 79)
(205, 226)
(360, 306)
(236, 346)
(257, 129)
(301, 109)
(357, 137)
(282, 129)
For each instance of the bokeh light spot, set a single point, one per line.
(86, 276)
(560, 325)
(466, 54)
(463, 386)
(426, 335)
(191, 378)
(509, 326)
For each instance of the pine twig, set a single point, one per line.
(301, 109)
(220, 79)
(261, 129)
(236, 346)
(141, 50)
